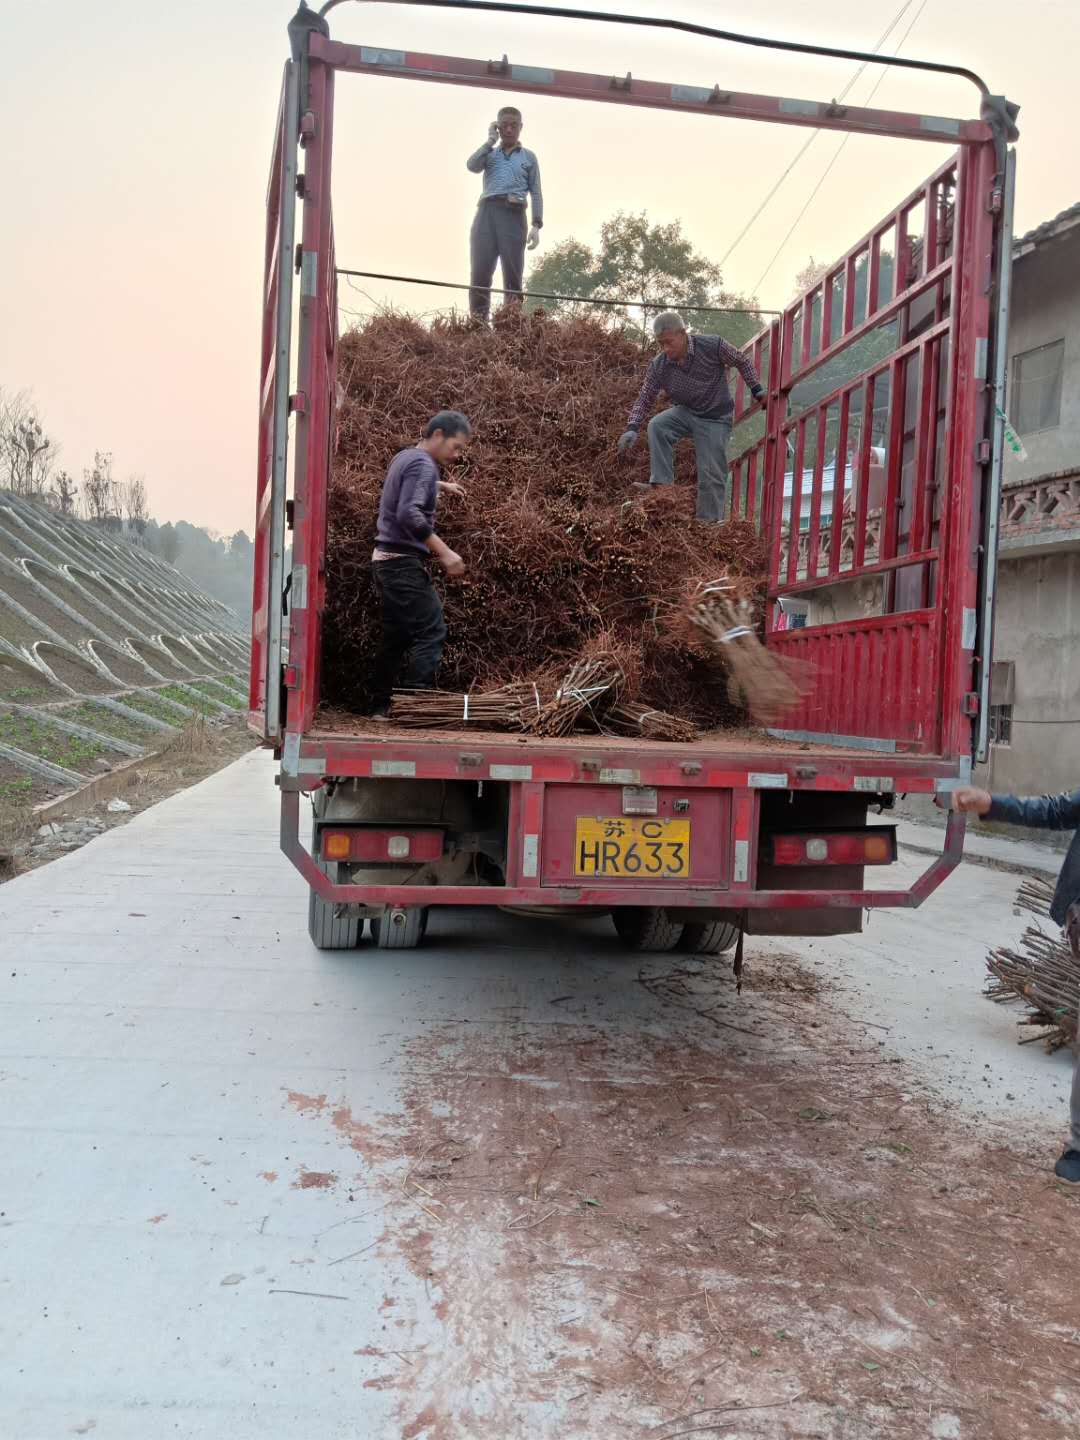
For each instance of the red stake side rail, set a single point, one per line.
(876, 468)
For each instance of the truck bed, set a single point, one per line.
(743, 744)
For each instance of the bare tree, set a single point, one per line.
(64, 494)
(27, 454)
(809, 275)
(99, 490)
(135, 504)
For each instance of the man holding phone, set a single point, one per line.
(500, 233)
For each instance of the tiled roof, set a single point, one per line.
(1048, 229)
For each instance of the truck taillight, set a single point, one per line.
(364, 842)
(335, 844)
(847, 847)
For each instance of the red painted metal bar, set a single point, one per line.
(893, 309)
(962, 534)
(862, 248)
(840, 485)
(813, 541)
(607, 896)
(850, 271)
(264, 472)
(313, 419)
(894, 459)
(806, 332)
(873, 276)
(925, 441)
(862, 480)
(795, 505)
(878, 368)
(751, 484)
(883, 567)
(650, 94)
(826, 310)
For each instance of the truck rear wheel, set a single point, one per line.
(328, 931)
(711, 938)
(399, 929)
(646, 928)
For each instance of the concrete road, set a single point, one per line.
(504, 1185)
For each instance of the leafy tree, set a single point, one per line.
(168, 543)
(651, 267)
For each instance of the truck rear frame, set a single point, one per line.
(917, 531)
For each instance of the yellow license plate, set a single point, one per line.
(623, 849)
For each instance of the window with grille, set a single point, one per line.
(1002, 686)
(1001, 724)
(1036, 393)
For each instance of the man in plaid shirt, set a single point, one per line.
(692, 370)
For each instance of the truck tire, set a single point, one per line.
(328, 931)
(646, 928)
(399, 929)
(711, 938)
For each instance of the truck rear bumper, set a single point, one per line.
(607, 897)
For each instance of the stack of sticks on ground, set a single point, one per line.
(1042, 973)
(562, 554)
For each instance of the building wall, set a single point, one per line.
(1046, 307)
(1038, 629)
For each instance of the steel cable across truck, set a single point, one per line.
(874, 482)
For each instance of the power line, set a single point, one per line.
(839, 151)
(550, 295)
(812, 137)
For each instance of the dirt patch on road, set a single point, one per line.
(746, 1225)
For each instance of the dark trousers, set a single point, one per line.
(498, 235)
(413, 626)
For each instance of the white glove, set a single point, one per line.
(534, 238)
(493, 133)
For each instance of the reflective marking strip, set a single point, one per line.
(800, 107)
(691, 94)
(741, 873)
(370, 55)
(290, 755)
(530, 855)
(981, 348)
(393, 767)
(940, 122)
(533, 75)
(767, 782)
(298, 590)
(309, 272)
(877, 784)
(314, 765)
(849, 742)
(967, 635)
(620, 777)
(510, 772)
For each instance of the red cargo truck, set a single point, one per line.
(874, 478)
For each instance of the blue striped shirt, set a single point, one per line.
(516, 174)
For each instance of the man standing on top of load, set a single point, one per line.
(692, 370)
(499, 232)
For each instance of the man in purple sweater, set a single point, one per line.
(405, 542)
(692, 371)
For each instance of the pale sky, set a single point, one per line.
(138, 148)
